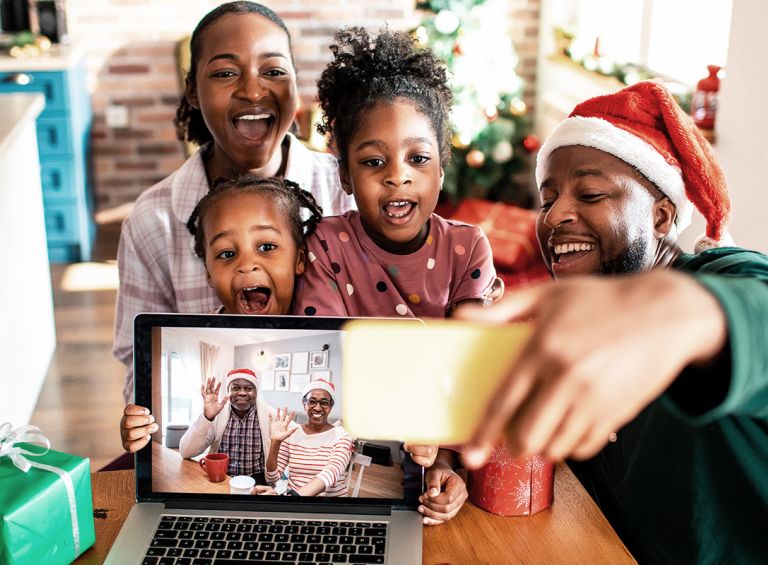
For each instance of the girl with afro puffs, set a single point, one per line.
(386, 106)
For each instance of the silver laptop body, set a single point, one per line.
(164, 339)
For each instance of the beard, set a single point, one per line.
(630, 260)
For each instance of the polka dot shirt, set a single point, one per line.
(347, 274)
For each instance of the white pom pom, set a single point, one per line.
(704, 243)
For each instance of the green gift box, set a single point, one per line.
(36, 507)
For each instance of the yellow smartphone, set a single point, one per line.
(427, 382)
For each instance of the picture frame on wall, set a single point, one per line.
(298, 382)
(267, 380)
(318, 360)
(299, 362)
(282, 361)
(324, 375)
(282, 380)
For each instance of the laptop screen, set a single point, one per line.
(229, 438)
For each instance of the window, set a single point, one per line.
(676, 39)
(180, 395)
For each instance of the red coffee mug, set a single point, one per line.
(215, 466)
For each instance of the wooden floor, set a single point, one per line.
(81, 402)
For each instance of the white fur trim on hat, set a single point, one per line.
(245, 374)
(320, 384)
(601, 134)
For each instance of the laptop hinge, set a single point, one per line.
(283, 507)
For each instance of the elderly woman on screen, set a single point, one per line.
(316, 454)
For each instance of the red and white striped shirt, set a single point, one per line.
(325, 455)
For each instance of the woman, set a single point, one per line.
(240, 101)
(316, 454)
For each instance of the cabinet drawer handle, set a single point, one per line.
(21, 79)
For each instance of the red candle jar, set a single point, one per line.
(512, 486)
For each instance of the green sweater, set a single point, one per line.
(687, 480)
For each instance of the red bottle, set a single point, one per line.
(704, 100)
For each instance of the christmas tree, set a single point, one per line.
(491, 143)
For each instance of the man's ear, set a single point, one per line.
(664, 214)
(301, 262)
(346, 185)
(190, 91)
(442, 177)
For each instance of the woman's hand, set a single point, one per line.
(211, 403)
(136, 425)
(446, 494)
(263, 489)
(278, 425)
(423, 455)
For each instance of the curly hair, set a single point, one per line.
(189, 122)
(288, 196)
(368, 70)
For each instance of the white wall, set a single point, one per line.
(742, 125)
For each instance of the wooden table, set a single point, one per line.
(572, 531)
(171, 473)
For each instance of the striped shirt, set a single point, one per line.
(159, 271)
(325, 455)
(242, 442)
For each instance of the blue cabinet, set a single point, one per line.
(63, 134)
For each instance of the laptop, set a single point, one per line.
(181, 517)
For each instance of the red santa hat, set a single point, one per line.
(645, 127)
(245, 374)
(320, 384)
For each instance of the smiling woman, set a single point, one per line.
(239, 103)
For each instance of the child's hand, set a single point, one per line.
(446, 494)
(211, 403)
(136, 425)
(423, 455)
(278, 425)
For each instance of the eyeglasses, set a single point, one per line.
(324, 403)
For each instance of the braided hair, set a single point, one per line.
(189, 122)
(367, 70)
(287, 195)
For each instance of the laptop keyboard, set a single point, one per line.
(204, 540)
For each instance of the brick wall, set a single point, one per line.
(131, 46)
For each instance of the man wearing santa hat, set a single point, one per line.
(236, 424)
(658, 378)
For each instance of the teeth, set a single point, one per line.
(398, 203)
(253, 117)
(572, 247)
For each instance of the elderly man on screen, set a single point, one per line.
(237, 424)
(657, 378)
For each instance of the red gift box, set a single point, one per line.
(511, 232)
(513, 486)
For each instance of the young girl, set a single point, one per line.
(240, 101)
(386, 107)
(250, 235)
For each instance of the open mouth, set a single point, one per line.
(567, 254)
(398, 210)
(254, 300)
(253, 127)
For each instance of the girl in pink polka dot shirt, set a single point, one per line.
(386, 106)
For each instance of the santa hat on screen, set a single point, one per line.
(320, 384)
(643, 126)
(245, 374)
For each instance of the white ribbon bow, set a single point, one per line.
(34, 435)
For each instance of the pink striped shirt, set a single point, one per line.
(159, 272)
(325, 455)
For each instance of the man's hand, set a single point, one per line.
(211, 403)
(278, 425)
(601, 350)
(423, 455)
(136, 425)
(446, 494)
